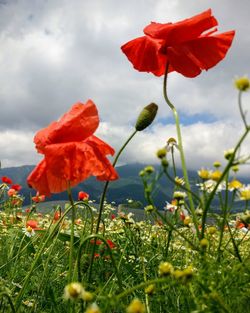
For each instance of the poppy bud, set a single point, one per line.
(146, 116)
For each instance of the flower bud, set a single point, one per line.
(149, 169)
(136, 306)
(235, 168)
(179, 195)
(242, 83)
(150, 289)
(146, 116)
(149, 208)
(228, 154)
(164, 163)
(161, 153)
(217, 164)
(165, 269)
(73, 291)
(204, 243)
(211, 230)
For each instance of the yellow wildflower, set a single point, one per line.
(204, 174)
(204, 243)
(165, 268)
(234, 184)
(215, 175)
(150, 289)
(211, 230)
(245, 193)
(93, 308)
(187, 220)
(136, 306)
(73, 291)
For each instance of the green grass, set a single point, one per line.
(201, 281)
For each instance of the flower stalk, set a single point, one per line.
(182, 156)
(72, 228)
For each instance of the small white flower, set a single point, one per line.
(244, 193)
(170, 207)
(209, 185)
(179, 195)
(28, 231)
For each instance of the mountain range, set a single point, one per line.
(128, 186)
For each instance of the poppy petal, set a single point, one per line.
(144, 54)
(76, 125)
(77, 161)
(185, 30)
(38, 180)
(203, 53)
(102, 146)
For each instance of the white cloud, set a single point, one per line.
(55, 53)
(203, 143)
(17, 148)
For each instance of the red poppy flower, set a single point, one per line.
(97, 242)
(188, 46)
(16, 187)
(38, 198)
(6, 180)
(11, 192)
(32, 223)
(111, 244)
(57, 216)
(83, 195)
(71, 152)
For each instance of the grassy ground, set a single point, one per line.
(164, 269)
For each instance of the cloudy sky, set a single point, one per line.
(57, 52)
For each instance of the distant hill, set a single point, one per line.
(128, 186)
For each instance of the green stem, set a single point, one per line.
(96, 236)
(182, 187)
(103, 199)
(107, 182)
(5, 294)
(182, 156)
(226, 170)
(224, 207)
(37, 257)
(173, 161)
(140, 286)
(241, 110)
(236, 248)
(71, 251)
